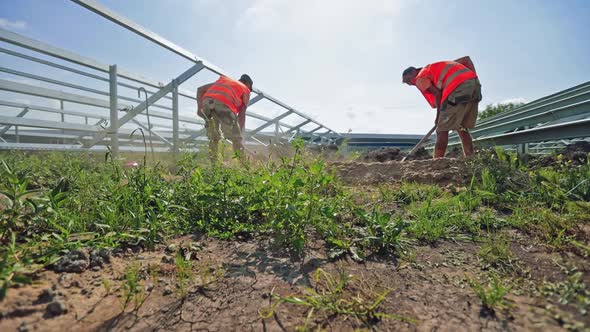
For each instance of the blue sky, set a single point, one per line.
(339, 61)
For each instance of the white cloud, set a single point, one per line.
(513, 100)
(12, 25)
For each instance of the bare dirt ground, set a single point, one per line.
(441, 171)
(428, 290)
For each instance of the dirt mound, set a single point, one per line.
(442, 171)
(391, 154)
(577, 152)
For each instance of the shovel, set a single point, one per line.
(419, 145)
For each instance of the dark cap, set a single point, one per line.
(408, 70)
(246, 79)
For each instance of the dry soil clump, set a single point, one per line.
(441, 171)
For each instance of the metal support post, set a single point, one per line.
(16, 134)
(114, 118)
(63, 118)
(523, 147)
(175, 120)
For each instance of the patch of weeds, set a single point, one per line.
(545, 224)
(132, 288)
(184, 275)
(409, 192)
(12, 269)
(337, 294)
(488, 220)
(107, 285)
(572, 291)
(492, 294)
(495, 254)
(208, 274)
(439, 220)
(379, 232)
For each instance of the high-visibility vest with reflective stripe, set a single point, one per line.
(229, 92)
(445, 76)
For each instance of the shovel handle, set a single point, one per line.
(419, 145)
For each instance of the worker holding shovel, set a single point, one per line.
(223, 105)
(452, 87)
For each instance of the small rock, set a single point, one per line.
(76, 284)
(167, 290)
(84, 291)
(56, 308)
(96, 268)
(100, 257)
(265, 296)
(46, 296)
(149, 287)
(73, 261)
(23, 327)
(167, 259)
(172, 248)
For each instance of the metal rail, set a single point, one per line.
(541, 126)
(177, 131)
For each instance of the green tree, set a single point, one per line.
(493, 109)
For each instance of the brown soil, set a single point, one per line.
(389, 154)
(441, 171)
(429, 291)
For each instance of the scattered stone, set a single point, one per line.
(96, 268)
(73, 261)
(46, 296)
(56, 308)
(100, 257)
(76, 284)
(84, 291)
(167, 259)
(149, 287)
(23, 327)
(167, 290)
(172, 248)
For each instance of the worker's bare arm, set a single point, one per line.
(437, 93)
(466, 61)
(242, 113)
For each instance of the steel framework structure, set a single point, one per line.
(541, 126)
(117, 129)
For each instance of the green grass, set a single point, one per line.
(337, 294)
(492, 294)
(495, 254)
(56, 202)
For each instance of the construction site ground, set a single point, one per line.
(237, 284)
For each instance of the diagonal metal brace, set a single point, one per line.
(152, 132)
(151, 99)
(19, 115)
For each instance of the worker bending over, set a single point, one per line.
(452, 87)
(223, 104)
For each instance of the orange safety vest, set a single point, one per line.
(445, 76)
(229, 92)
